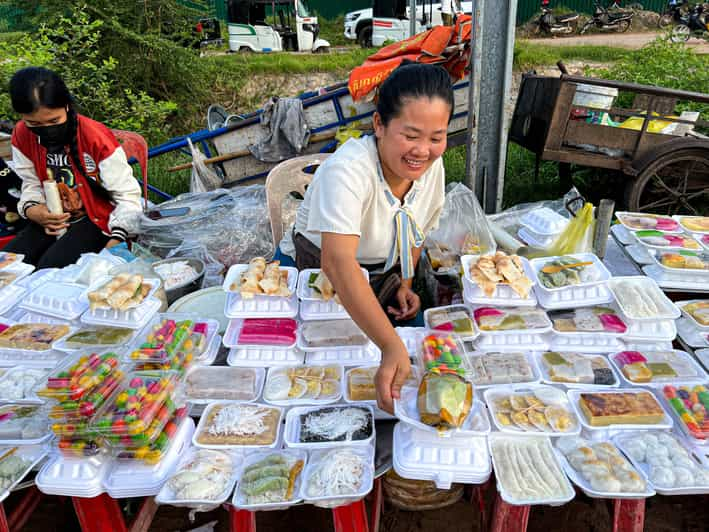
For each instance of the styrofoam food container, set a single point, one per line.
(345, 356)
(535, 239)
(129, 478)
(275, 372)
(260, 307)
(669, 247)
(544, 221)
(231, 336)
(701, 445)
(702, 255)
(235, 271)
(622, 216)
(412, 338)
(512, 332)
(10, 296)
(650, 331)
(210, 355)
(21, 270)
(424, 456)
(332, 501)
(203, 421)
(500, 391)
(584, 342)
(512, 342)
(264, 357)
(31, 398)
(167, 496)
(584, 296)
(622, 233)
(575, 395)
(536, 376)
(63, 300)
(680, 218)
(305, 293)
(475, 424)
(460, 307)
(239, 498)
(291, 433)
(688, 316)
(20, 424)
(25, 316)
(14, 351)
(32, 359)
(259, 375)
(568, 489)
(503, 295)
(74, 477)
(578, 479)
(703, 356)
(640, 254)
(62, 344)
(691, 335)
(32, 455)
(302, 346)
(134, 318)
(546, 378)
(602, 274)
(623, 438)
(669, 310)
(669, 281)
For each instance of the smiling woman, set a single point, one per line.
(372, 203)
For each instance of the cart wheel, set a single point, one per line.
(674, 183)
(680, 33)
(623, 26)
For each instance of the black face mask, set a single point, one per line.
(54, 136)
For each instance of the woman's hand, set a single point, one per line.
(409, 303)
(53, 223)
(392, 374)
(113, 242)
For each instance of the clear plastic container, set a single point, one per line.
(574, 281)
(264, 357)
(8, 259)
(39, 277)
(696, 311)
(412, 337)
(32, 337)
(456, 319)
(19, 385)
(204, 384)
(88, 337)
(531, 410)
(80, 375)
(260, 306)
(303, 385)
(74, 477)
(45, 359)
(261, 332)
(359, 385)
(320, 489)
(694, 224)
(24, 425)
(154, 452)
(503, 368)
(575, 370)
(15, 467)
(519, 459)
(237, 425)
(509, 321)
(640, 221)
(693, 263)
(63, 300)
(503, 294)
(628, 442)
(689, 405)
(661, 241)
(588, 322)
(283, 465)
(406, 409)
(650, 302)
(424, 456)
(10, 296)
(183, 488)
(345, 356)
(160, 341)
(444, 352)
(544, 221)
(326, 335)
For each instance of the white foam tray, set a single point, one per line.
(302, 346)
(585, 485)
(259, 373)
(669, 312)
(584, 342)
(28, 441)
(512, 342)
(650, 331)
(578, 291)
(503, 295)
(291, 432)
(30, 398)
(467, 308)
(39, 277)
(620, 215)
(546, 379)
(639, 253)
(210, 355)
(412, 338)
(577, 297)
(43, 359)
(131, 478)
(231, 336)
(203, 421)
(135, 318)
(475, 424)
(61, 300)
(31, 353)
(536, 376)
(621, 441)
(681, 304)
(557, 501)
(606, 431)
(544, 221)
(679, 217)
(239, 498)
(668, 247)
(420, 455)
(491, 393)
(20, 269)
(683, 272)
(535, 239)
(622, 234)
(703, 356)
(62, 344)
(167, 496)
(313, 307)
(276, 372)
(669, 281)
(74, 477)
(345, 356)
(10, 296)
(33, 455)
(332, 501)
(235, 271)
(264, 357)
(261, 306)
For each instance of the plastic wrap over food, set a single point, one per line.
(233, 225)
(213, 269)
(462, 230)
(444, 399)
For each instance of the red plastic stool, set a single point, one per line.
(5, 240)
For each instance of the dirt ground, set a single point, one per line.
(632, 41)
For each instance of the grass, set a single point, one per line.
(333, 31)
(528, 54)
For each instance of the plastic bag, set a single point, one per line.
(213, 269)
(463, 229)
(444, 399)
(203, 179)
(578, 235)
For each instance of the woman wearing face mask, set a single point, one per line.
(371, 203)
(100, 197)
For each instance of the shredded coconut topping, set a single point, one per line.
(341, 472)
(332, 425)
(239, 420)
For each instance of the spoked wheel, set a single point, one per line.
(675, 183)
(680, 33)
(623, 26)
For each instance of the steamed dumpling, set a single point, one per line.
(658, 450)
(605, 450)
(683, 477)
(658, 461)
(592, 468)
(701, 476)
(650, 439)
(631, 481)
(618, 463)
(567, 445)
(662, 477)
(665, 439)
(636, 450)
(581, 455)
(605, 482)
(682, 461)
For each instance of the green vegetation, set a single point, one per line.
(528, 54)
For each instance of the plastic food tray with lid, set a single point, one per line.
(19, 385)
(259, 306)
(683, 358)
(31, 456)
(689, 405)
(640, 254)
(333, 335)
(74, 477)
(546, 377)
(585, 293)
(165, 337)
(313, 307)
(703, 356)
(133, 318)
(692, 264)
(62, 300)
(24, 424)
(703, 304)
(278, 333)
(659, 241)
(544, 221)
(669, 281)
(293, 428)
(584, 342)
(122, 337)
(412, 338)
(345, 356)
(281, 382)
(55, 333)
(650, 331)
(503, 295)
(10, 296)
(422, 455)
(486, 363)
(651, 302)
(456, 319)
(639, 221)
(693, 224)
(204, 384)
(622, 234)
(536, 240)
(202, 427)
(264, 357)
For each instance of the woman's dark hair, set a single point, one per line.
(35, 87)
(413, 80)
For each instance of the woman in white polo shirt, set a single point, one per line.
(371, 204)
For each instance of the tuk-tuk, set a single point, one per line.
(273, 26)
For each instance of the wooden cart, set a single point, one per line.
(664, 172)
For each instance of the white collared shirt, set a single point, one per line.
(347, 197)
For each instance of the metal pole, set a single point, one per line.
(412, 18)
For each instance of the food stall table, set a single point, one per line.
(103, 514)
(348, 518)
(22, 512)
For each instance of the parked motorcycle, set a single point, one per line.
(604, 19)
(693, 23)
(673, 13)
(552, 24)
